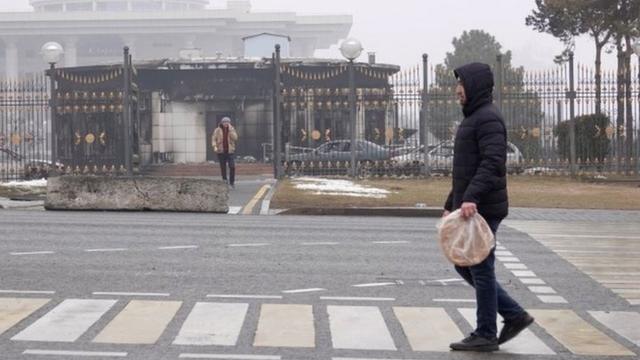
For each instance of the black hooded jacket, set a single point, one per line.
(480, 152)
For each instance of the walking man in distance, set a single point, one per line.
(224, 142)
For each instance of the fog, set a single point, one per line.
(400, 31)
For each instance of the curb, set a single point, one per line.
(10, 204)
(372, 211)
(266, 202)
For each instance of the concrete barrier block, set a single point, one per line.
(137, 194)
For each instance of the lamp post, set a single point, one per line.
(351, 49)
(51, 53)
(636, 50)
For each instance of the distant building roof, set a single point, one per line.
(266, 33)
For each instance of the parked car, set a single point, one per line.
(340, 150)
(441, 159)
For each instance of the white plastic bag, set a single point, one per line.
(465, 242)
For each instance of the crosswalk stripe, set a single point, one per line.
(213, 324)
(13, 310)
(625, 323)
(75, 353)
(229, 357)
(286, 326)
(141, 322)
(577, 335)
(527, 343)
(359, 328)
(427, 329)
(67, 321)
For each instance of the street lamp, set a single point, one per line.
(51, 53)
(636, 50)
(351, 49)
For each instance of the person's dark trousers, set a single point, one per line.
(490, 296)
(228, 160)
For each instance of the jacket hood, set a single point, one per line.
(477, 80)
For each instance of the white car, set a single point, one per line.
(441, 159)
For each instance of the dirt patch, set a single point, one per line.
(539, 192)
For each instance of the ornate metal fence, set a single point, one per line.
(24, 127)
(538, 107)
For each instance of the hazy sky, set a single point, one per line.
(399, 31)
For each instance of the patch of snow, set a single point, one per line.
(26, 184)
(334, 187)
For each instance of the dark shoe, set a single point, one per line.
(513, 327)
(476, 343)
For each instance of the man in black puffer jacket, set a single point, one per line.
(480, 185)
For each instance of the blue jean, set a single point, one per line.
(490, 296)
(228, 159)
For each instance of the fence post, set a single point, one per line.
(53, 105)
(499, 81)
(571, 95)
(352, 116)
(127, 112)
(425, 114)
(638, 121)
(277, 126)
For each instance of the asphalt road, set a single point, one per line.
(282, 288)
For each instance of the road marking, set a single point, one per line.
(290, 326)
(183, 247)
(583, 236)
(106, 250)
(374, 285)
(427, 329)
(320, 243)
(634, 301)
(101, 293)
(500, 247)
(527, 343)
(515, 266)
(552, 299)
(523, 273)
(67, 321)
(302, 291)
(229, 357)
(248, 209)
(626, 291)
(577, 335)
(455, 300)
(75, 353)
(359, 328)
(265, 297)
(27, 292)
(213, 324)
(12, 311)
(626, 324)
(532, 281)
(141, 322)
(33, 253)
(264, 208)
(234, 210)
(248, 245)
(351, 298)
(503, 253)
(542, 290)
(446, 281)
(391, 242)
(508, 259)
(345, 358)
